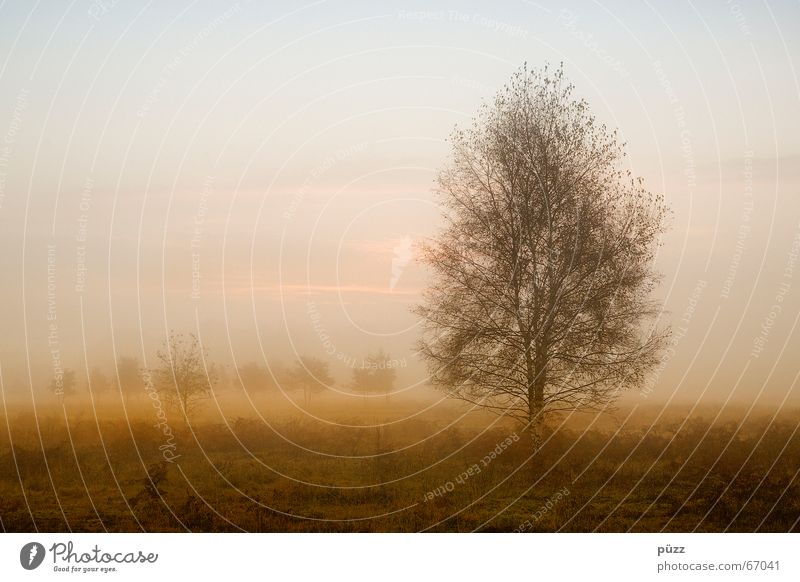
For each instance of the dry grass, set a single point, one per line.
(90, 476)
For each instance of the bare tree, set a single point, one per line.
(185, 377)
(129, 377)
(63, 384)
(376, 374)
(543, 274)
(311, 375)
(98, 381)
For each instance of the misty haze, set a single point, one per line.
(348, 267)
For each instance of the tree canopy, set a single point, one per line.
(543, 274)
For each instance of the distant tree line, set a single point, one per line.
(184, 377)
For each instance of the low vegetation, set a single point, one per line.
(432, 472)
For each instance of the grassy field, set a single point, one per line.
(659, 471)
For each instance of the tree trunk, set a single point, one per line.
(185, 404)
(536, 409)
(536, 425)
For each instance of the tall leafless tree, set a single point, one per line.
(541, 298)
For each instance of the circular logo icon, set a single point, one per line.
(31, 555)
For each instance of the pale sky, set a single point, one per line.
(280, 157)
